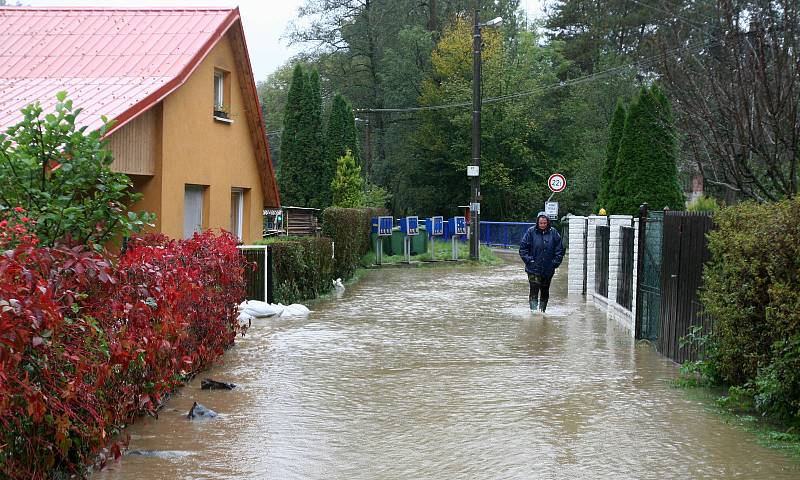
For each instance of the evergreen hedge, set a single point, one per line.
(752, 292)
(303, 268)
(350, 228)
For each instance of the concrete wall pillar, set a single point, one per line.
(591, 243)
(615, 251)
(577, 254)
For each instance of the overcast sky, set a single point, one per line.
(265, 23)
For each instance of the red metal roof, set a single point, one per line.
(115, 62)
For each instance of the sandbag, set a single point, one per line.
(295, 310)
(258, 309)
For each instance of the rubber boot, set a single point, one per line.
(534, 305)
(544, 306)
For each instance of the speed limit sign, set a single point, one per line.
(556, 182)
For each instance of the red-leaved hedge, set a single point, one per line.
(87, 344)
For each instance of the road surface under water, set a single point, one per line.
(444, 373)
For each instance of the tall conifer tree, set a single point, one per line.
(315, 186)
(647, 162)
(341, 136)
(289, 178)
(302, 143)
(612, 151)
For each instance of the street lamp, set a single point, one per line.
(475, 187)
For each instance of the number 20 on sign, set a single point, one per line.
(556, 182)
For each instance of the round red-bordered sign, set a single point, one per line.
(557, 182)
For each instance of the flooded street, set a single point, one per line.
(444, 373)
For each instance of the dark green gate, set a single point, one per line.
(258, 279)
(648, 292)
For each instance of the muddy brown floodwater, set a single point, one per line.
(440, 373)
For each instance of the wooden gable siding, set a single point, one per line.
(135, 145)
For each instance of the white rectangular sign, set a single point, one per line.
(551, 209)
(473, 170)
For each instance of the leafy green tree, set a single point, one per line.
(647, 162)
(607, 191)
(348, 186)
(340, 137)
(61, 176)
(522, 143)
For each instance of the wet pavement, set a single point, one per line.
(444, 373)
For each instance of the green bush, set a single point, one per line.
(60, 175)
(703, 204)
(752, 291)
(303, 268)
(350, 230)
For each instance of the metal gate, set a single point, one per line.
(584, 255)
(601, 260)
(685, 251)
(625, 270)
(259, 284)
(648, 300)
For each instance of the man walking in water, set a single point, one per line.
(542, 251)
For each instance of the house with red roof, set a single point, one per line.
(179, 86)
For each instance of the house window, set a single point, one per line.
(237, 211)
(192, 210)
(221, 95)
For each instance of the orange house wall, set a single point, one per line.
(196, 149)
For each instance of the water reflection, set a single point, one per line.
(444, 374)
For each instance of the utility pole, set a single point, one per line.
(475, 187)
(369, 151)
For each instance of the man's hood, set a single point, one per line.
(542, 215)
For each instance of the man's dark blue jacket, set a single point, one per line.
(541, 250)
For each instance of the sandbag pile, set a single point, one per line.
(250, 309)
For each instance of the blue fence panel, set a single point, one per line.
(503, 234)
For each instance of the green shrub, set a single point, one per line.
(303, 268)
(350, 230)
(61, 177)
(703, 204)
(752, 291)
(347, 186)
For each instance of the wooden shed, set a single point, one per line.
(301, 221)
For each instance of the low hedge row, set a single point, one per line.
(303, 268)
(86, 345)
(350, 230)
(752, 291)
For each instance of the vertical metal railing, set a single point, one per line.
(258, 279)
(601, 260)
(503, 234)
(625, 268)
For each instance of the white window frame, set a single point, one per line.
(219, 90)
(189, 230)
(237, 210)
